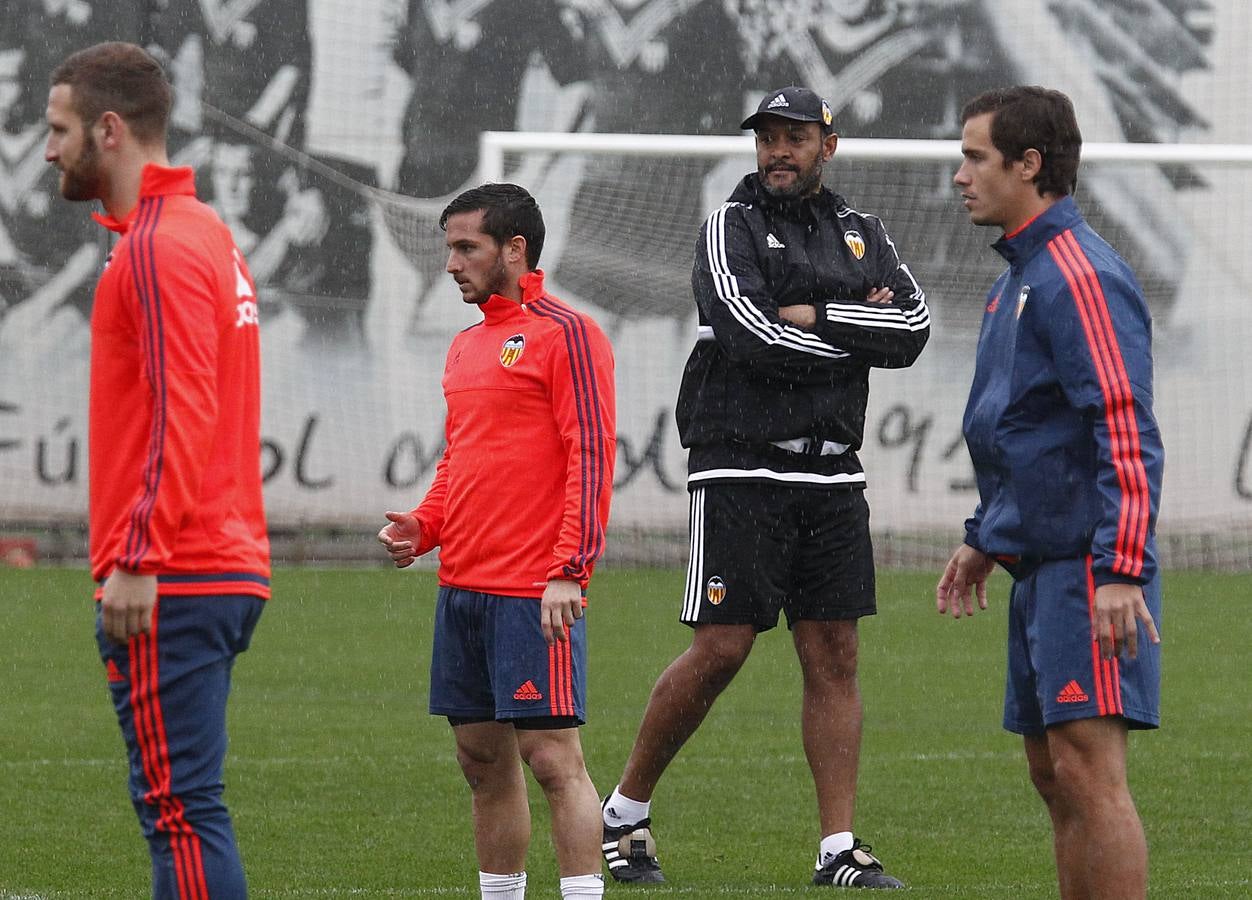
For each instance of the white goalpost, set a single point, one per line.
(623, 214)
(494, 145)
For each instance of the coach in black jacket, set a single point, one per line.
(800, 296)
(763, 264)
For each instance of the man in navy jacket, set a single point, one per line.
(1068, 460)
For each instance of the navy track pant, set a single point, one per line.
(169, 689)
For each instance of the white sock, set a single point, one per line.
(582, 887)
(502, 887)
(621, 810)
(832, 846)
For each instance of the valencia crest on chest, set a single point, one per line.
(855, 243)
(511, 350)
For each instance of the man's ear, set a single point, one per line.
(109, 129)
(829, 142)
(1031, 164)
(516, 249)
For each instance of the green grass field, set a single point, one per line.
(342, 785)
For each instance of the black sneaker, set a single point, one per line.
(855, 868)
(630, 852)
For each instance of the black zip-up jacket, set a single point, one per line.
(753, 379)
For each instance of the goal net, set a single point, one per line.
(353, 411)
(623, 214)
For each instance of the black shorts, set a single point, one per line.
(758, 548)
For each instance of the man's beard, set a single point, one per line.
(806, 183)
(82, 182)
(496, 282)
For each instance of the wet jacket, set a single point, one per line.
(753, 379)
(1059, 421)
(522, 493)
(175, 407)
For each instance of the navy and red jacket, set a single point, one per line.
(1059, 422)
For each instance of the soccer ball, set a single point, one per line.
(639, 843)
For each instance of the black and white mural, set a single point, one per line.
(330, 133)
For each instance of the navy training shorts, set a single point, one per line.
(1055, 670)
(490, 661)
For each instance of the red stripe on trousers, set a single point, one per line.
(1117, 685)
(197, 861)
(1108, 678)
(558, 677)
(1110, 675)
(171, 818)
(559, 688)
(552, 692)
(137, 650)
(1097, 670)
(154, 752)
(567, 673)
(1119, 411)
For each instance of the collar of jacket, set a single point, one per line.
(154, 181)
(498, 308)
(750, 191)
(1027, 241)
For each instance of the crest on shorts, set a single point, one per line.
(511, 350)
(855, 243)
(715, 590)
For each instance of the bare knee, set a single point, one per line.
(717, 653)
(555, 765)
(1090, 781)
(838, 668)
(827, 651)
(1043, 777)
(1086, 765)
(480, 764)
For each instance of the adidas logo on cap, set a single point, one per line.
(778, 101)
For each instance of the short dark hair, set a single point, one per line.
(121, 78)
(1029, 116)
(508, 210)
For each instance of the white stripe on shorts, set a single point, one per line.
(695, 562)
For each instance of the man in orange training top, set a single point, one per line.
(518, 509)
(178, 536)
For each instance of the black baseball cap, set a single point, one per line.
(792, 102)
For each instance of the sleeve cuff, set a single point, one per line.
(1100, 578)
(430, 536)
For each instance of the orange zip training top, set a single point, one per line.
(174, 424)
(522, 492)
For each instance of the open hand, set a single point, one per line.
(968, 568)
(400, 537)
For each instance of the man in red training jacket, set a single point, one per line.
(518, 509)
(178, 535)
